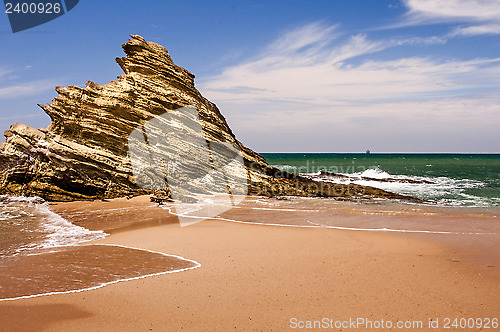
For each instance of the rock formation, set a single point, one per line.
(84, 153)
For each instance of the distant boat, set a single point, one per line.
(367, 151)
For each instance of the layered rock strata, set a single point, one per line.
(85, 153)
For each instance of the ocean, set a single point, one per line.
(42, 253)
(27, 225)
(462, 191)
(461, 180)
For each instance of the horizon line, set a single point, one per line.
(391, 152)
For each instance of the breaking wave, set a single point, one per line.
(27, 224)
(442, 190)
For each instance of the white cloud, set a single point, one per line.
(327, 76)
(454, 124)
(4, 72)
(484, 12)
(463, 10)
(17, 117)
(26, 89)
(474, 30)
(309, 35)
(323, 101)
(12, 87)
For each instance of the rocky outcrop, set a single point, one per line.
(84, 154)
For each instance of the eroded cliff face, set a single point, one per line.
(84, 154)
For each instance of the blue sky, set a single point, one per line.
(289, 76)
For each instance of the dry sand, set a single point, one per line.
(257, 277)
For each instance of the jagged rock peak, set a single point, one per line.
(149, 58)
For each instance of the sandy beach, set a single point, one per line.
(265, 278)
(250, 166)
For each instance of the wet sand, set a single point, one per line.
(258, 277)
(82, 267)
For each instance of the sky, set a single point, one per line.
(289, 75)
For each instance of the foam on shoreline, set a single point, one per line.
(181, 260)
(332, 216)
(28, 224)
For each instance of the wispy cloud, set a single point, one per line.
(26, 89)
(453, 10)
(4, 72)
(311, 37)
(314, 88)
(18, 117)
(475, 30)
(452, 124)
(14, 84)
(320, 70)
(483, 14)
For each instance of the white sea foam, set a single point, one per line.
(61, 232)
(29, 224)
(317, 225)
(280, 209)
(311, 224)
(374, 173)
(442, 190)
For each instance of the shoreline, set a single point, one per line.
(255, 276)
(104, 284)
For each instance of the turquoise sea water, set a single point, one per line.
(469, 180)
